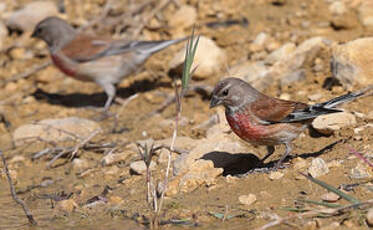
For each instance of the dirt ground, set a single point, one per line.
(47, 94)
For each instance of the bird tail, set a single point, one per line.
(346, 98)
(150, 47)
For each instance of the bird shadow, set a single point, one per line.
(241, 163)
(78, 100)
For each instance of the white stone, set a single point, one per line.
(209, 58)
(318, 168)
(327, 124)
(275, 175)
(247, 199)
(337, 8)
(330, 197)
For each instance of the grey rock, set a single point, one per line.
(55, 130)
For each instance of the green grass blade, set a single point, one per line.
(329, 205)
(332, 189)
(188, 61)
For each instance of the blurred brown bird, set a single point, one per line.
(98, 59)
(263, 120)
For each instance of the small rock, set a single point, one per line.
(209, 58)
(370, 217)
(80, 164)
(351, 62)
(114, 158)
(184, 17)
(280, 53)
(318, 168)
(275, 175)
(247, 199)
(360, 172)
(332, 226)
(285, 96)
(296, 76)
(261, 39)
(55, 130)
(337, 8)
(25, 19)
(366, 13)
(66, 205)
(299, 163)
(139, 167)
(20, 54)
(3, 34)
(335, 163)
(330, 197)
(315, 97)
(327, 124)
(163, 156)
(115, 200)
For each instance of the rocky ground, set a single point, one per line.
(75, 170)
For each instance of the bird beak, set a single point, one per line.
(34, 35)
(215, 102)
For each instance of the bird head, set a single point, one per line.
(54, 31)
(232, 93)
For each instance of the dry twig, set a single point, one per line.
(13, 193)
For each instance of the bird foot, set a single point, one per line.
(103, 115)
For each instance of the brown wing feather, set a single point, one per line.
(85, 48)
(272, 109)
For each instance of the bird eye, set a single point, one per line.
(225, 92)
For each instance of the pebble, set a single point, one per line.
(366, 13)
(247, 199)
(139, 167)
(360, 172)
(66, 205)
(318, 168)
(3, 33)
(113, 158)
(337, 8)
(350, 62)
(184, 17)
(275, 175)
(26, 18)
(315, 97)
(299, 163)
(280, 53)
(330, 197)
(329, 123)
(370, 217)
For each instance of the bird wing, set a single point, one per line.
(86, 48)
(271, 110)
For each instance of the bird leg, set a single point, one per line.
(270, 151)
(287, 152)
